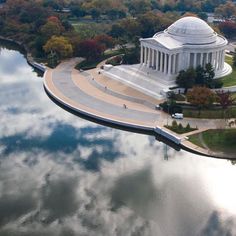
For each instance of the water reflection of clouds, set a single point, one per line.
(11, 64)
(61, 175)
(124, 198)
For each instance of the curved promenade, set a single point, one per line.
(116, 104)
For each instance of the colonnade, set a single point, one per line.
(216, 58)
(170, 64)
(159, 60)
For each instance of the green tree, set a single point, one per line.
(50, 28)
(209, 75)
(200, 76)
(186, 79)
(234, 58)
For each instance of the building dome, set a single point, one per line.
(192, 30)
(188, 43)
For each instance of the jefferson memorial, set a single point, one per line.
(189, 42)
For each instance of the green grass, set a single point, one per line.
(229, 80)
(196, 140)
(210, 114)
(90, 29)
(218, 140)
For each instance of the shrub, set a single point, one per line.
(217, 84)
(171, 108)
(174, 124)
(188, 126)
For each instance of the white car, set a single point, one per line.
(178, 115)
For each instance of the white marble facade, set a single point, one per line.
(188, 42)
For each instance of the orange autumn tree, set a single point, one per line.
(201, 97)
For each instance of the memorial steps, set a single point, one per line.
(141, 78)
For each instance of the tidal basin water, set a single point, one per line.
(62, 175)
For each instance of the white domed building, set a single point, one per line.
(188, 42)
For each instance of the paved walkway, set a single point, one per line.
(72, 87)
(75, 90)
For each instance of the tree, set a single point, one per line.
(78, 11)
(90, 49)
(60, 46)
(225, 99)
(186, 79)
(50, 28)
(209, 75)
(234, 58)
(202, 15)
(138, 6)
(228, 28)
(117, 31)
(201, 97)
(226, 10)
(200, 76)
(95, 13)
(105, 40)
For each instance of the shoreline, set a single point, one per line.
(29, 58)
(56, 86)
(176, 141)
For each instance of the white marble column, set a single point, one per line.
(219, 60)
(214, 55)
(157, 59)
(141, 55)
(169, 64)
(223, 59)
(207, 58)
(161, 63)
(153, 56)
(174, 64)
(149, 57)
(165, 65)
(216, 59)
(201, 59)
(177, 63)
(194, 60)
(145, 55)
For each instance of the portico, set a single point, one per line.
(159, 60)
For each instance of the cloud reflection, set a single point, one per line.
(61, 175)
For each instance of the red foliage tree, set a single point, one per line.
(105, 40)
(228, 28)
(225, 99)
(90, 49)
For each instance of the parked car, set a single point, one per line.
(178, 115)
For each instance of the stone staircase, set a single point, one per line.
(143, 79)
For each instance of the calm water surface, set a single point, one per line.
(62, 175)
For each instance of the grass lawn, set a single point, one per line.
(90, 29)
(219, 140)
(196, 140)
(210, 114)
(229, 80)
